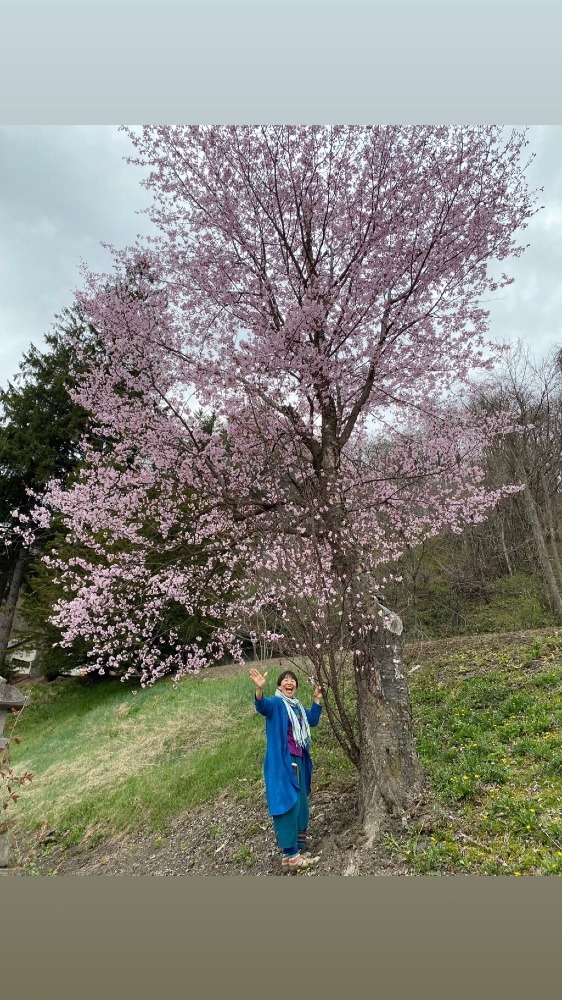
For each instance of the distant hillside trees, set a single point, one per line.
(513, 559)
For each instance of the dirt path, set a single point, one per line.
(230, 836)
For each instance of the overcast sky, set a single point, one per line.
(65, 190)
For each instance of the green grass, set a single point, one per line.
(489, 725)
(109, 759)
(514, 602)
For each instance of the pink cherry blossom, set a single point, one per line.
(282, 380)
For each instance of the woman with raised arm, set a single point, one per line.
(287, 765)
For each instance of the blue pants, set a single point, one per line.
(288, 826)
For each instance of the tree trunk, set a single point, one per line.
(504, 548)
(9, 609)
(542, 552)
(391, 780)
(552, 536)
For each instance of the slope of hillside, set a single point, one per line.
(168, 781)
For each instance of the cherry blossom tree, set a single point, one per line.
(319, 294)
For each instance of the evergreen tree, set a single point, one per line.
(40, 432)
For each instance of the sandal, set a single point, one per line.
(297, 862)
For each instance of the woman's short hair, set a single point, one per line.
(287, 673)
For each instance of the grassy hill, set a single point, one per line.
(110, 760)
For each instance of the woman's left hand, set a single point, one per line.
(317, 696)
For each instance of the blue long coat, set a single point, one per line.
(281, 789)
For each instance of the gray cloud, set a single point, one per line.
(64, 190)
(530, 309)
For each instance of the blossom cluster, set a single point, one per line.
(280, 382)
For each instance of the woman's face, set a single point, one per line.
(288, 687)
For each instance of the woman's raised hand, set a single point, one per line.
(258, 679)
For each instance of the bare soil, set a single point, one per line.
(230, 836)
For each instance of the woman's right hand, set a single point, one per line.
(258, 679)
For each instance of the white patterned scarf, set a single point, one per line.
(301, 728)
